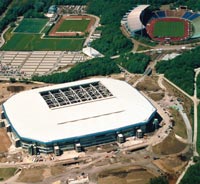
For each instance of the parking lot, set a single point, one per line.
(26, 64)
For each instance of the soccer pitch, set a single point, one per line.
(30, 42)
(31, 25)
(74, 25)
(169, 29)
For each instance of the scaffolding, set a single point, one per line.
(75, 94)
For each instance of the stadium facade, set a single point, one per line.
(133, 20)
(81, 113)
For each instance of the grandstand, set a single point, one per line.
(196, 27)
(187, 15)
(134, 20)
(161, 14)
(84, 113)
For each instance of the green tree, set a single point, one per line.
(192, 176)
(97, 66)
(158, 180)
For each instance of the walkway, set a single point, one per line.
(2, 36)
(93, 28)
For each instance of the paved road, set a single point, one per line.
(196, 102)
(92, 29)
(187, 123)
(2, 37)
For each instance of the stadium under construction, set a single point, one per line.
(76, 115)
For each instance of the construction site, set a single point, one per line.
(164, 152)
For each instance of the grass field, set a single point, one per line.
(168, 29)
(29, 42)
(74, 25)
(31, 175)
(31, 25)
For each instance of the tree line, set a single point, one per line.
(198, 86)
(180, 70)
(110, 11)
(29, 9)
(4, 5)
(192, 176)
(134, 63)
(112, 41)
(97, 66)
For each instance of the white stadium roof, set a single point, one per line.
(134, 22)
(118, 105)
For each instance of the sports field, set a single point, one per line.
(169, 29)
(74, 25)
(31, 25)
(29, 42)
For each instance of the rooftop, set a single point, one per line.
(97, 105)
(134, 21)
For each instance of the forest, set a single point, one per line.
(198, 86)
(97, 66)
(158, 180)
(134, 63)
(4, 5)
(111, 10)
(192, 175)
(112, 42)
(180, 70)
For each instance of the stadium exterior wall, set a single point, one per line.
(134, 23)
(86, 141)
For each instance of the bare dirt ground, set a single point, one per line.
(150, 86)
(32, 175)
(170, 145)
(125, 175)
(8, 89)
(5, 140)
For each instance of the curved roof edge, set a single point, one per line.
(134, 22)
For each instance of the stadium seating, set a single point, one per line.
(161, 14)
(154, 16)
(194, 16)
(187, 15)
(196, 24)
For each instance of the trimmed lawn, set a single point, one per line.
(74, 25)
(171, 29)
(29, 42)
(31, 25)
